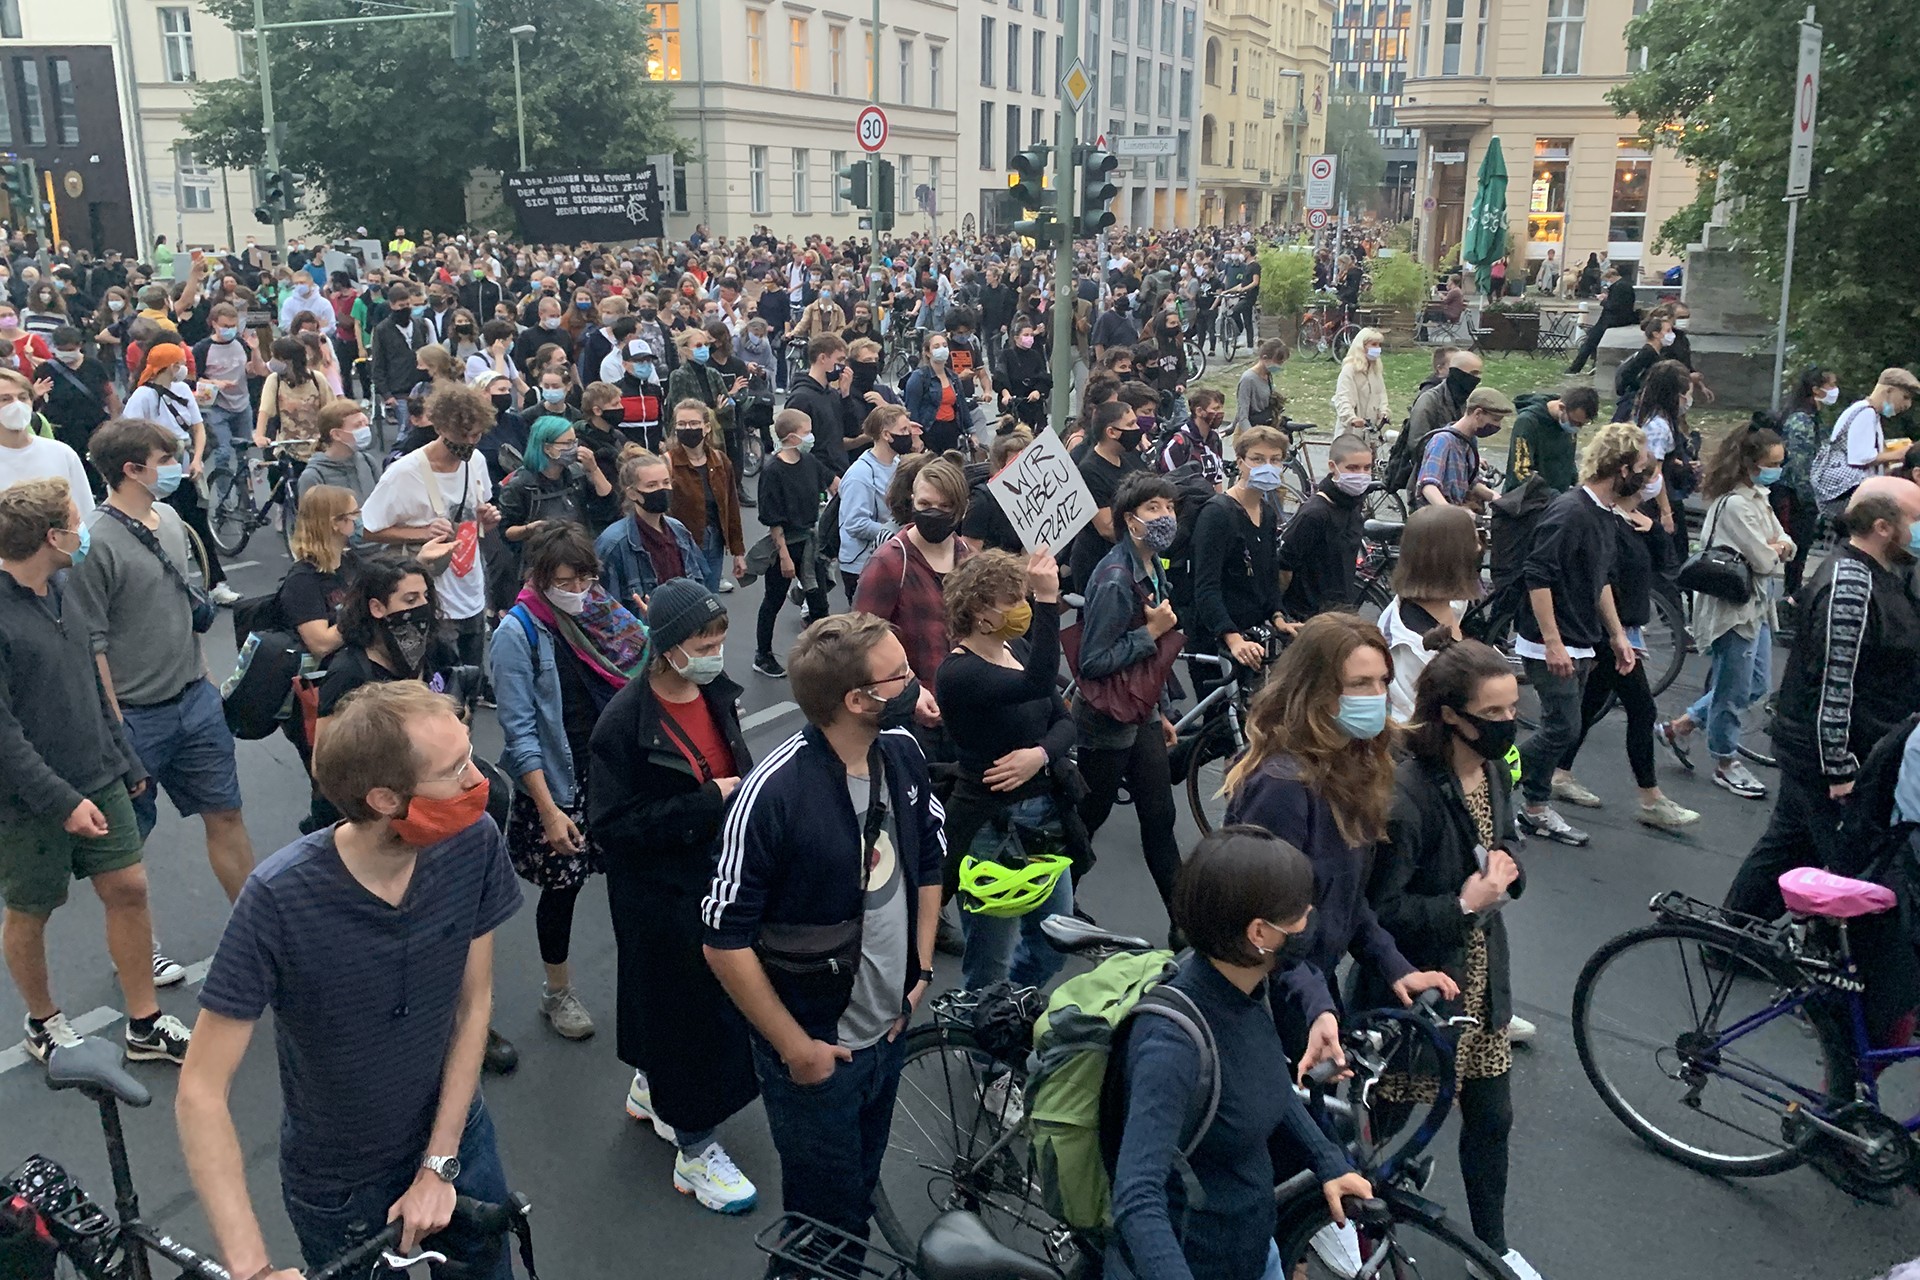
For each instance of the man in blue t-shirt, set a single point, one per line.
(372, 942)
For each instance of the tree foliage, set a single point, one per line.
(1718, 88)
(1362, 161)
(389, 128)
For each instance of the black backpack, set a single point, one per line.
(258, 697)
(826, 534)
(1191, 492)
(1403, 459)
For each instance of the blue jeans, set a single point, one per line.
(336, 1220)
(831, 1136)
(1742, 671)
(224, 426)
(713, 550)
(1012, 947)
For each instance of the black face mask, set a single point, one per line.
(838, 372)
(461, 452)
(408, 633)
(1496, 736)
(648, 313)
(865, 374)
(1130, 439)
(502, 401)
(900, 707)
(900, 442)
(934, 526)
(614, 414)
(1461, 384)
(690, 438)
(657, 502)
(1631, 483)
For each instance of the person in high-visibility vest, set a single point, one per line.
(400, 243)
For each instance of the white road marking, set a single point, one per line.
(767, 715)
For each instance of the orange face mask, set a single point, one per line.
(428, 821)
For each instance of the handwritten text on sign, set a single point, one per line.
(1044, 496)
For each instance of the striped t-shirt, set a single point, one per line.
(363, 994)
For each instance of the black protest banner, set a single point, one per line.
(569, 208)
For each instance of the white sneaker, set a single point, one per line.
(1339, 1248)
(726, 585)
(640, 1107)
(713, 1180)
(1519, 1030)
(1004, 1100)
(1520, 1266)
(224, 595)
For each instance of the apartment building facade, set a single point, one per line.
(1534, 73)
(1371, 41)
(1264, 75)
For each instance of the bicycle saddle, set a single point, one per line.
(1382, 530)
(1809, 891)
(1072, 935)
(958, 1246)
(93, 1067)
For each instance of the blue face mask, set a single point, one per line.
(228, 333)
(1771, 475)
(552, 395)
(86, 545)
(644, 372)
(1265, 477)
(1887, 409)
(167, 478)
(1362, 715)
(1913, 539)
(420, 309)
(702, 354)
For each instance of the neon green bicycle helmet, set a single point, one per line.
(990, 888)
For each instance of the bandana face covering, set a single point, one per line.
(428, 821)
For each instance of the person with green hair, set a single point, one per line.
(556, 481)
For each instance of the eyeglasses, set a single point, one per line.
(901, 678)
(458, 775)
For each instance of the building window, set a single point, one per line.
(1183, 158)
(6, 121)
(933, 184)
(1213, 63)
(1059, 58)
(757, 177)
(1143, 29)
(1093, 20)
(1117, 82)
(663, 41)
(1037, 123)
(1233, 74)
(66, 116)
(1120, 18)
(1480, 42)
(1451, 36)
(1039, 8)
(836, 60)
(1189, 20)
(797, 49)
(801, 177)
(936, 73)
(10, 19)
(1160, 165)
(836, 161)
(33, 116)
(1013, 57)
(903, 189)
(1038, 80)
(986, 135)
(1627, 228)
(1142, 86)
(986, 53)
(1013, 133)
(1637, 57)
(1547, 199)
(1186, 95)
(1565, 21)
(906, 73)
(1420, 38)
(757, 53)
(1166, 89)
(679, 187)
(176, 39)
(195, 181)
(1166, 26)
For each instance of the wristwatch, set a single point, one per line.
(445, 1168)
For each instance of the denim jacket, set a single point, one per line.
(626, 570)
(526, 685)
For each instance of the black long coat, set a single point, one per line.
(658, 826)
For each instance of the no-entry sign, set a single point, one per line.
(1320, 182)
(871, 129)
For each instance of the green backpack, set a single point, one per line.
(1076, 1102)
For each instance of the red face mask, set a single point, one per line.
(428, 820)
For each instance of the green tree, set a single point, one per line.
(389, 128)
(1362, 162)
(1718, 88)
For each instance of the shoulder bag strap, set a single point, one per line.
(703, 768)
(74, 378)
(150, 542)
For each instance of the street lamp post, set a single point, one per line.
(520, 33)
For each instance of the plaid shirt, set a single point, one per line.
(1451, 462)
(899, 585)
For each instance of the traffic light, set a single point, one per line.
(269, 195)
(1027, 184)
(883, 198)
(1096, 192)
(20, 192)
(853, 184)
(296, 190)
(466, 29)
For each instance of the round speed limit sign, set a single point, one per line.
(871, 129)
(1317, 219)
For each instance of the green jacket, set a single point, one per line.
(1541, 444)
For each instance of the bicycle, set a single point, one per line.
(1739, 1046)
(1212, 734)
(241, 506)
(1325, 330)
(114, 1246)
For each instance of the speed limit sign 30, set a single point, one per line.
(871, 129)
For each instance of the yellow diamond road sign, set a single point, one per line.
(1077, 83)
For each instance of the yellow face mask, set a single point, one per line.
(1015, 622)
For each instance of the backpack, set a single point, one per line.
(1076, 1099)
(1191, 491)
(258, 696)
(826, 534)
(1403, 459)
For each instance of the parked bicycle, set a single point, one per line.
(1326, 330)
(244, 500)
(1739, 1046)
(1213, 733)
(115, 1246)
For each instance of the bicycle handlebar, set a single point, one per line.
(479, 1216)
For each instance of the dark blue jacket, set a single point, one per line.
(791, 854)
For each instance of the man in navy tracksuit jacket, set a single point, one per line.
(821, 916)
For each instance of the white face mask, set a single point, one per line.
(1830, 396)
(16, 416)
(1373, 353)
(567, 602)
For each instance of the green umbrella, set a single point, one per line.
(1485, 240)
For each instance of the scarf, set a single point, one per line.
(608, 639)
(661, 548)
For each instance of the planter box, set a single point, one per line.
(1510, 330)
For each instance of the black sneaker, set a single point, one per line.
(54, 1033)
(768, 665)
(500, 1057)
(164, 1041)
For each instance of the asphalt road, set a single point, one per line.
(1587, 1200)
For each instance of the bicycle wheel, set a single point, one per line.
(1666, 636)
(1213, 753)
(289, 514)
(1311, 331)
(1384, 504)
(752, 453)
(1343, 340)
(899, 365)
(1420, 1245)
(1756, 734)
(1649, 1013)
(228, 518)
(196, 553)
(949, 1150)
(1196, 360)
(1374, 594)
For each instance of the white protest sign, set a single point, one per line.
(1044, 495)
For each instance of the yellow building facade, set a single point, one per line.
(1535, 73)
(1264, 87)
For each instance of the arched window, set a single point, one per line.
(1208, 134)
(1213, 62)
